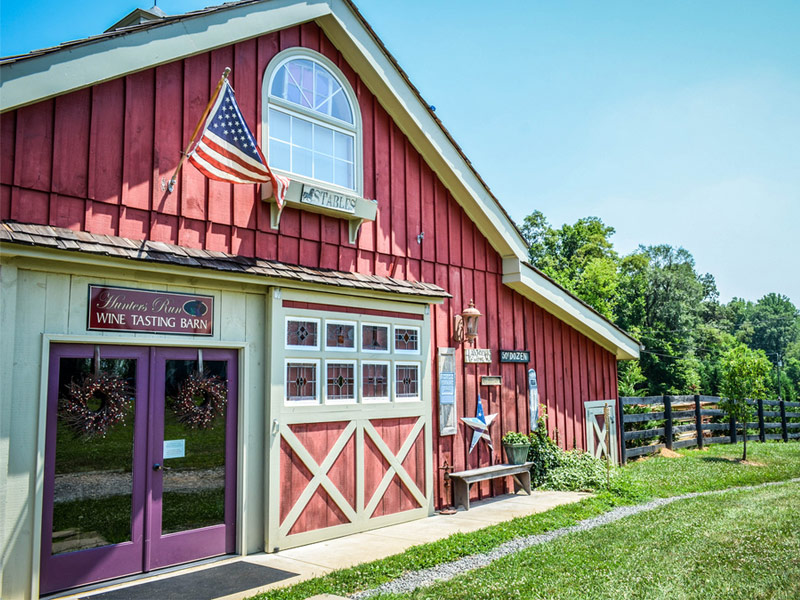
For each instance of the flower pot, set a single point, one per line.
(516, 454)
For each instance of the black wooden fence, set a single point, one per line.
(687, 421)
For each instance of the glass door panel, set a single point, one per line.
(94, 465)
(194, 456)
(93, 483)
(193, 449)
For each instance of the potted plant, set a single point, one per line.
(516, 446)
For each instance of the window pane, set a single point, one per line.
(407, 381)
(341, 107)
(280, 155)
(323, 167)
(323, 140)
(375, 338)
(344, 147)
(341, 381)
(406, 339)
(340, 335)
(279, 124)
(301, 133)
(301, 333)
(375, 380)
(301, 161)
(279, 83)
(323, 91)
(301, 381)
(343, 174)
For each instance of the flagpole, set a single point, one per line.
(185, 153)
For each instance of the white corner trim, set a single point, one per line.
(525, 280)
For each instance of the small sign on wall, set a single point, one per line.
(448, 419)
(127, 309)
(533, 399)
(491, 380)
(477, 355)
(515, 356)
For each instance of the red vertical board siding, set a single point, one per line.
(168, 137)
(71, 143)
(196, 94)
(412, 202)
(106, 142)
(137, 164)
(8, 132)
(33, 149)
(98, 159)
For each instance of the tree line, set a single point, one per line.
(656, 294)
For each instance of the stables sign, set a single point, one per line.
(125, 309)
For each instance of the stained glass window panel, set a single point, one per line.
(375, 381)
(375, 338)
(301, 381)
(302, 334)
(406, 381)
(341, 381)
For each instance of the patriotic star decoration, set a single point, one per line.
(480, 425)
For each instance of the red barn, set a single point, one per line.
(196, 372)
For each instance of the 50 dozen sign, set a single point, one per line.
(126, 309)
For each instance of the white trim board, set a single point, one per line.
(534, 286)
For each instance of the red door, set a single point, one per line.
(114, 502)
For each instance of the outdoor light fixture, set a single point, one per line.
(465, 325)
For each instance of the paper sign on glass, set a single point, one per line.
(174, 449)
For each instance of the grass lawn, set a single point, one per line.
(743, 544)
(697, 471)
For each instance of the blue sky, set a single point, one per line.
(675, 122)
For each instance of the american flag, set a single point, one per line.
(227, 150)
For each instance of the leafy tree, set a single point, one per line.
(774, 322)
(630, 378)
(745, 374)
(579, 257)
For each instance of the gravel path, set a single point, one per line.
(425, 577)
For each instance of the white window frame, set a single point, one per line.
(356, 331)
(389, 338)
(336, 361)
(269, 101)
(389, 382)
(303, 361)
(407, 363)
(419, 339)
(288, 346)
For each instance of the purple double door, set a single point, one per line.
(157, 488)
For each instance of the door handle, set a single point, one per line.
(157, 467)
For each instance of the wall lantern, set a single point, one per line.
(465, 326)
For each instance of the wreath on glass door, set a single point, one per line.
(200, 400)
(112, 395)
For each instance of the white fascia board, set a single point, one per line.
(378, 72)
(62, 71)
(525, 280)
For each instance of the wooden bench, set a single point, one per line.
(463, 479)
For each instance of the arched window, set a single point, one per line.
(313, 121)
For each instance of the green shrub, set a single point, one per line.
(543, 453)
(577, 471)
(514, 437)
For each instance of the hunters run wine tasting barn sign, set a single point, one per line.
(126, 309)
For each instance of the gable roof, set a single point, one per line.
(50, 72)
